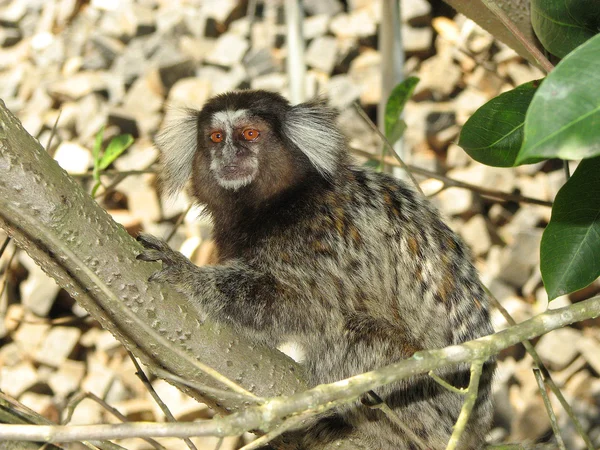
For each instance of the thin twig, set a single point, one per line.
(5, 274)
(164, 408)
(79, 397)
(403, 165)
(118, 179)
(4, 245)
(30, 416)
(539, 57)
(378, 403)
(53, 132)
(439, 380)
(179, 221)
(219, 443)
(539, 364)
(467, 408)
(549, 410)
(566, 169)
(503, 196)
(120, 176)
(268, 437)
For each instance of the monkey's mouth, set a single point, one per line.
(234, 176)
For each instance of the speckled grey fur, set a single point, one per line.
(354, 265)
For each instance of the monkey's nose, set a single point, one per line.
(241, 152)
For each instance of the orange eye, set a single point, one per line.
(216, 136)
(250, 134)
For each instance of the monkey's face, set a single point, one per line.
(234, 140)
(248, 147)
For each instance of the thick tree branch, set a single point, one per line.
(93, 258)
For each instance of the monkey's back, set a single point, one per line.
(388, 278)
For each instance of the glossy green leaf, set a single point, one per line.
(394, 106)
(570, 249)
(493, 135)
(563, 25)
(563, 120)
(116, 146)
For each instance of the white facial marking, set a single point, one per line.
(226, 120)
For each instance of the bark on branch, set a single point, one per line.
(78, 244)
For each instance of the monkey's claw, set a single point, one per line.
(158, 250)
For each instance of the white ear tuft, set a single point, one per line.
(178, 142)
(311, 127)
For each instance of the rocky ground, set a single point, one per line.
(117, 63)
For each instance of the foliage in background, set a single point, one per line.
(103, 159)
(394, 125)
(558, 117)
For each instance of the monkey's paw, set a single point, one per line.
(175, 265)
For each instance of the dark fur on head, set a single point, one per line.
(302, 141)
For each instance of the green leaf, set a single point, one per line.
(494, 133)
(563, 25)
(116, 146)
(98, 146)
(563, 120)
(570, 249)
(397, 131)
(395, 104)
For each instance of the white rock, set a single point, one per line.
(73, 157)
(457, 157)
(416, 39)
(189, 92)
(354, 25)
(98, 378)
(17, 379)
(37, 402)
(321, 54)
(590, 349)
(275, 82)
(414, 9)
(106, 342)
(10, 355)
(30, 335)
(57, 345)
(67, 378)
(342, 91)
(454, 201)
(177, 402)
(476, 235)
(229, 50)
(519, 258)
(365, 71)
(315, 26)
(139, 156)
(88, 412)
(439, 74)
(143, 199)
(559, 347)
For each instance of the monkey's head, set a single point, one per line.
(249, 143)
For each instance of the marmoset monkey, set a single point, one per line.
(352, 264)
